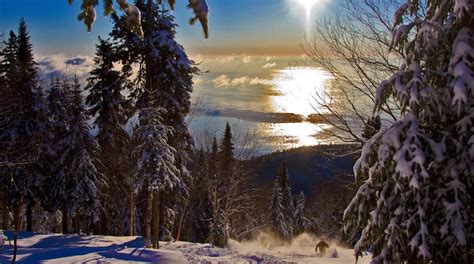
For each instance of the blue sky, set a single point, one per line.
(236, 27)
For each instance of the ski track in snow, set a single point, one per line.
(55, 248)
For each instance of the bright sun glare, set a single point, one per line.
(298, 88)
(308, 5)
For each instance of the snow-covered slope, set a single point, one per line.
(53, 248)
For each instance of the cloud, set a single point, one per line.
(268, 58)
(224, 81)
(75, 61)
(231, 58)
(246, 59)
(269, 65)
(225, 59)
(58, 65)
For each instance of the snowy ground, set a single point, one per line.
(106, 249)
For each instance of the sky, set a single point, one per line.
(263, 27)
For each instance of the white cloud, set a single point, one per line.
(246, 59)
(59, 65)
(231, 58)
(221, 81)
(225, 81)
(225, 59)
(269, 65)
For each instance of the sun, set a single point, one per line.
(308, 5)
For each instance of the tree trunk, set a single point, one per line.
(4, 211)
(148, 219)
(156, 220)
(161, 210)
(17, 220)
(131, 231)
(29, 215)
(104, 224)
(181, 219)
(65, 220)
(76, 224)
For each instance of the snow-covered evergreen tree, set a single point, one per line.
(8, 64)
(300, 221)
(287, 197)
(164, 81)
(81, 163)
(9, 110)
(217, 234)
(415, 201)
(278, 219)
(156, 170)
(156, 164)
(58, 149)
(18, 136)
(108, 106)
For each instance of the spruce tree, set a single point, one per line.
(57, 153)
(200, 207)
(156, 170)
(217, 235)
(164, 82)
(287, 197)
(22, 96)
(27, 85)
(301, 222)
(8, 66)
(9, 110)
(108, 106)
(81, 163)
(415, 199)
(277, 215)
(226, 152)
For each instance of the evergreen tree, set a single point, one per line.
(156, 169)
(108, 106)
(213, 161)
(226, 152)
(21, 95)
(301, 222)
(57, 153)
(81, 166)
(200, 207)
(287, 197)
(278, 218)
(164, 82)
(8, 66)
(27, 86)
(8, 112)
(415, 199)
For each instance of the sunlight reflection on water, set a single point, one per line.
(294, 90)
(298, 88)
